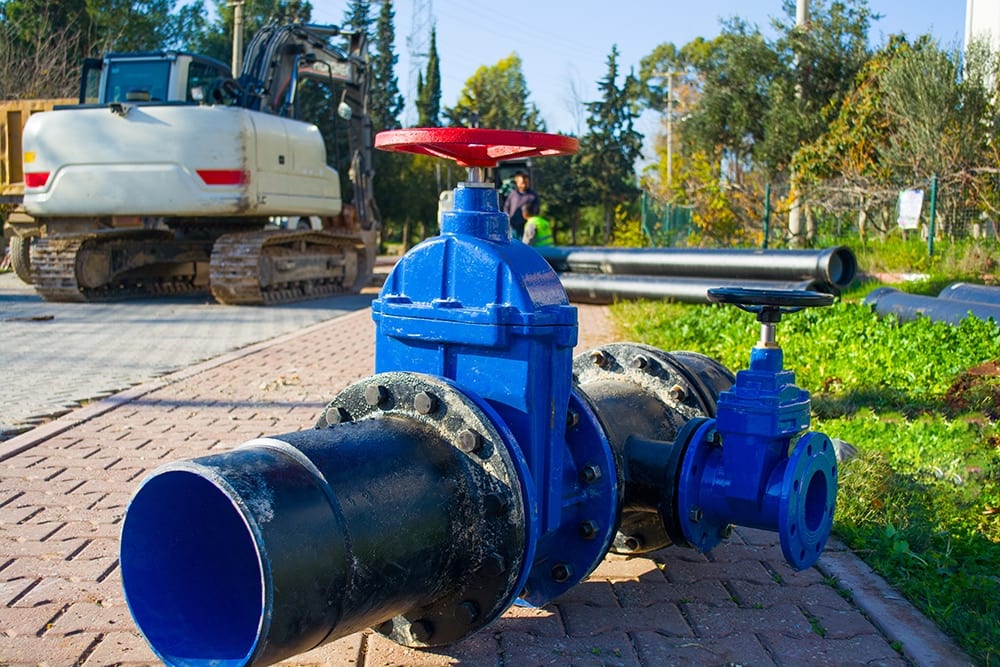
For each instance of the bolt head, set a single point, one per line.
(632, 543)
(422, 630)
(640, 362)
(376, 394)
(494, 565)
(678, 393)
(572, 419)
(695, 514)
(590, 474)
(726, 531)
(561, 572)
(425, 403)
(599, 358)
(335, 416)
(495, 505)
(468, 612)
(470, 441)
(589, 529)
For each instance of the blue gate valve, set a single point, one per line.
(482, 464)
(754, 465)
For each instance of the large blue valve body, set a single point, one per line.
(490, 314)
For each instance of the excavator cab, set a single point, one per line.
(156, 77)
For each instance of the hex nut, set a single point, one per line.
(640, 362)
(695, 514)
(678, 393)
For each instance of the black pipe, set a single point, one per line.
(290, 542)
(834, 266)
(604, 289)
(971, 292)
(907, 307)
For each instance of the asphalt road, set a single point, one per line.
(57, 356)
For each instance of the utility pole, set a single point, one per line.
(670, 132)
(795, 206)
(237, 62)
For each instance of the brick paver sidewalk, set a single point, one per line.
(64, 488)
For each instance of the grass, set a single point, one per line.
(921, 502)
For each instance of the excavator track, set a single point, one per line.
(71, 267)
(273, 267)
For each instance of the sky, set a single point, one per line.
(564, 44)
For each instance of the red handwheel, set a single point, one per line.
(473, 147)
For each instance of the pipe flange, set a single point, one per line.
(654, 370)
(496, 553)
(808, 499)
(703, 532)
(566, 556)
(684, 386)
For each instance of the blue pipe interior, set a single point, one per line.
(192, 575)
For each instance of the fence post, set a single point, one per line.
(767, 213)
(933, 216)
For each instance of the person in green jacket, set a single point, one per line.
(537, 230)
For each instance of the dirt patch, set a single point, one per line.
(977, 390)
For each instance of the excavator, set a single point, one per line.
(167, 174)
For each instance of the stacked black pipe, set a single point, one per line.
(605, 275)
(952, 304)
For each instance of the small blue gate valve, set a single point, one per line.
(746, 467)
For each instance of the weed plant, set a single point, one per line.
(921, 501)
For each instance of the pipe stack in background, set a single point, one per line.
(952, 304)
(605, 275)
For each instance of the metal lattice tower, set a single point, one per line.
(418, 44)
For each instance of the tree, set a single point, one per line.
(429, 89)
(42, 43)
(386, 102)
(611, 146)
(357, 17)
(818, 64)
(736, 70)
(496, 97)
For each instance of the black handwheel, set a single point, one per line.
(769, 304)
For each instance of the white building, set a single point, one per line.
(982, 19)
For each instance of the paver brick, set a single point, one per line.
(121, 648)
(479, 649)
(540, 621)
(613, 649)
(741, 648)
(812, 650)
(585, 621)
(646, 593)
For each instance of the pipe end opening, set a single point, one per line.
(192, 574)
